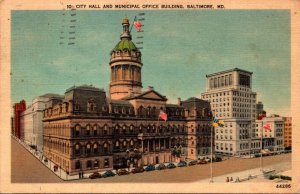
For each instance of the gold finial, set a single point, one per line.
(125, 20)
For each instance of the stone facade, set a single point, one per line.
(233, 101)
(88, 132)
(32, 120)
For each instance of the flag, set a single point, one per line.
(163, 115)
(137, 24)
(267, 126)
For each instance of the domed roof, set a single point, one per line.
(125, 44)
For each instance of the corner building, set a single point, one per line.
(233, 101)
(87, 131)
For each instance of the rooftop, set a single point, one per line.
(84, 87)
(227, 71)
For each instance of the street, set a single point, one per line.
(27, 169)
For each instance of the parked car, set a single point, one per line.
(122, 172)
(202, 162)
(182, 164)
(193, 162)
(171, 165)
(137, 170)
(108, 173)
(161, 167)
(150, 167)
(217, 159)
(95, 175)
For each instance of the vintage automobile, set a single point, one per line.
(108, 173)
(171, 165)
(122, 172)
(150, 167)
(202, 162)
(182, 164)
(137, 170)
(161, 167)
(95, 175)
(192, 163)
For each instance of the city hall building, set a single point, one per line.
(88, 130)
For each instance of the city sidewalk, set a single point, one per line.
(250, 175)
(49, 164)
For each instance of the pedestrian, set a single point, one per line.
(231, 179)
(227, 179)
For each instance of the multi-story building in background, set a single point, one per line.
(287, 133)
(32, 120)
(233, 101)
(259, 109)
(87, 131)
(270, 131)
(17, 130)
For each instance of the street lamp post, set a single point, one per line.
(261, 141)
(211, 155)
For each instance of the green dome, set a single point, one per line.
(125, 44)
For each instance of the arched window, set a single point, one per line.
(131, 142)
(131, 129)
(88, 148)
(77, 149)
(124, 143)
(105, 130)
(95, 148)
(141, 129)
(117, 144)
(77, 164)
(91, 105)
(88, 130)
(77, 130)
(117, 129)
(95, 130)
(105, 147)
(124, 129)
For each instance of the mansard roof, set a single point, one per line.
(195, 102)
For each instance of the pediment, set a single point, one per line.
(151, 95)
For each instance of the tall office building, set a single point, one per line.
(233, 101)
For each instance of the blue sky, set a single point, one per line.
(179, 49)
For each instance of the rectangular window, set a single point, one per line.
(226, 80)
(230, 79)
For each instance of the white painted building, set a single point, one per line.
(273, 139)
(32, 118)
(233, 101)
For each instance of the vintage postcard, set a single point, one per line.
(149, 96)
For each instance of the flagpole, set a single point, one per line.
(261, 139)
(211, 155)
(132, 24)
